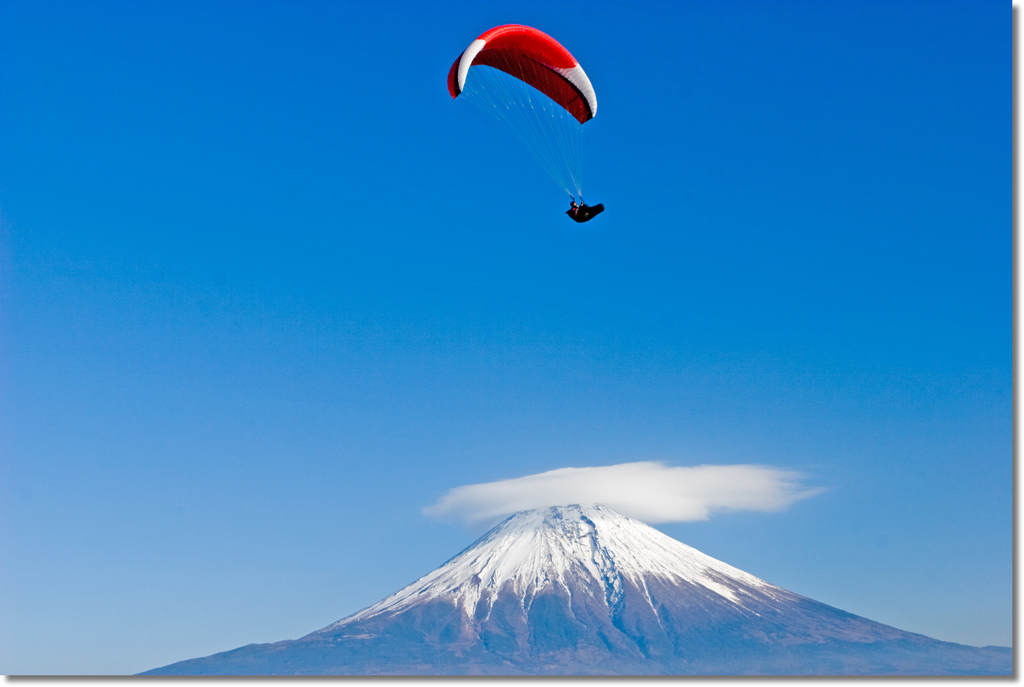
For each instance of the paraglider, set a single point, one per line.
(530, 82)
(583, 212)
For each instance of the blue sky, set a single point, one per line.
(266, 292)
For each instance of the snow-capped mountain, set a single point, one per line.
(591, 549)
(585, 590)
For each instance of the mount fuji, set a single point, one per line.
(584, 590)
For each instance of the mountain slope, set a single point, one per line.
(585, 590)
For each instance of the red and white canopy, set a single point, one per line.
(533, 57)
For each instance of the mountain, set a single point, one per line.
(584, 590)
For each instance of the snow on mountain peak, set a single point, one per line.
(588, 548)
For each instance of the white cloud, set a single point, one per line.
(648, 491)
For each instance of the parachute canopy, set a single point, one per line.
(533, 57)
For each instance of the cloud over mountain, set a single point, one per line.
(649, 491)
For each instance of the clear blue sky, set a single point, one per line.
(266, 291)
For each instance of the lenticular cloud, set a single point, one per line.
(648, 491)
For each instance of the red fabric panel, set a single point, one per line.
(529, 42)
